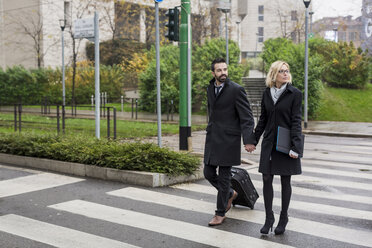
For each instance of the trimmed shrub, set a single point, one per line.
(345, 65)
(103, 153)
(18, 84)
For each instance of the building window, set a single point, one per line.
(260, 13)
(294, 15)
(260, 34)
(342, 36)
(352, 36)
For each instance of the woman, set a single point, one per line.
(280, 106)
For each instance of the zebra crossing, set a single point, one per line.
(325, 211)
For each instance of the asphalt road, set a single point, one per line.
(331, 206)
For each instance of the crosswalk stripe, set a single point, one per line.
(319, 147)
(337, 172)
(54, 235)
(339, 165)
(337, 156)
(326, 181)
(319, 194)
(175, 228)
(34, 182)
(295, 224)
(300, 205)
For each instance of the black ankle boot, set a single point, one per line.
(269, 222)
(280, 229)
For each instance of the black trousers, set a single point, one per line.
(222, 182)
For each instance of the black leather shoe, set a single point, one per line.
(269, 222)
(283, 220)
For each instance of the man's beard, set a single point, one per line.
(222, 78)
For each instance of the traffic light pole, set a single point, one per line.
(158, 97)
(185, 97)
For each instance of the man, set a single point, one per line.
(230, 117)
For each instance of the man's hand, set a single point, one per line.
(249, 147)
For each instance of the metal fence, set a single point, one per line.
(56, 116)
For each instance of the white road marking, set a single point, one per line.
(175, 228)
(55, 235)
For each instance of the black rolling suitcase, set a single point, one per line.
(241, 183)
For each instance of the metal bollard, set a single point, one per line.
(58, 129)
(168, 110)
(122, 103)
(63, 119)
(136, 108)
(15, 117)
(114, 109)
(132, 107)
(20, 117)
(108, 122)
(172, 110)
(92, 100)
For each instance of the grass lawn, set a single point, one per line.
(125, 129)
(346, 105)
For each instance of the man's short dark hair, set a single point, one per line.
(217, 61)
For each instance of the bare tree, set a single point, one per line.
(80, 7)
(29, 24)
(291, 19)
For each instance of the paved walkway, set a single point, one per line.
(339, 128)
(326, 128)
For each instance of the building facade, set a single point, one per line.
(339, 28)
(271, 19)
(30, 33)
(366, 19)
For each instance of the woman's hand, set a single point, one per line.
(293, 154)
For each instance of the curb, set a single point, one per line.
(338, 134)
(141, 178)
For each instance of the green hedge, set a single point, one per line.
(104, 153)
(18, 84)
(345, 65)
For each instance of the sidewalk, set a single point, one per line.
(339, 128)
(327, 128)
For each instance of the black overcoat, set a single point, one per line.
(286, 113)
(230, 118)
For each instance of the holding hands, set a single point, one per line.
(249, 147)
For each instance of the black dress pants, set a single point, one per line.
(222, 182)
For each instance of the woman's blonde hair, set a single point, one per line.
(273, 73)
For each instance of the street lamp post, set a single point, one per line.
(238, 34)
(224, 6)
(62, 24)
(311, 13)
(227, 39)
(307, 3)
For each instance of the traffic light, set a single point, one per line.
(173, 24)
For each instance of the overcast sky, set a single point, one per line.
(332, 8)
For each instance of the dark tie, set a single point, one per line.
(218, 88)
